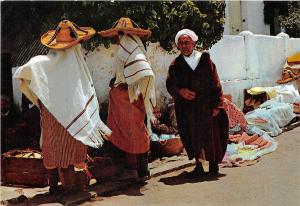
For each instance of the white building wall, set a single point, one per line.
(227, 19)
(249, 60)
(253, 17)
(265, 56)
(250, 14)
(100, 65)
(233, 19)
(229, 55)
(292, 46)
(242, 61)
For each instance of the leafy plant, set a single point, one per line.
(164, 18)
(291, 22)
(288, 13)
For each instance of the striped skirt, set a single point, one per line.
(126, 120)
(59, 148)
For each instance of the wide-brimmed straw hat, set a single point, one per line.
(294, 58)
(66, 35)
(126, 26)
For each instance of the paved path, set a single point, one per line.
(275, 180)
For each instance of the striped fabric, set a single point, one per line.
(126, 120)
(59, 148)
(62, 81)
(137, 73)
(136, 65)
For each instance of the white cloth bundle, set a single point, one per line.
(275, 115)
(62, 82)
(287, 93)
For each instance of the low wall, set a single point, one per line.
(242, 61)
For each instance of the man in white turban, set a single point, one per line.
(194, 84)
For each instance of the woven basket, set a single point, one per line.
(171, 146)
(23, 171)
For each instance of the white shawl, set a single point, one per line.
(137, 72)
(62, 82)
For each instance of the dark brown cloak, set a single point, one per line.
(198, 129)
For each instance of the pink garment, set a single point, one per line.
(250, 140)
(235, 115)
(226, 162)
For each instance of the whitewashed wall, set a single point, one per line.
(242, 61)
(243, 15)
(249, 60)
(227, 20)
(252, 14)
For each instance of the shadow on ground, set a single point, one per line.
(135, 189)
(46, 198)
(181, 179)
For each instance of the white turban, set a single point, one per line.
(188, 32)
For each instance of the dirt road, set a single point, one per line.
(274, 180)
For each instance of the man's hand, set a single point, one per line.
(187, 94)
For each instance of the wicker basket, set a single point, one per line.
(171, 146)
(23, 171)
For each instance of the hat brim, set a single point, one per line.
(134, 31)
(294, 58)
(45, 38)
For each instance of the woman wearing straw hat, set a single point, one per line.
(61, 86)
(202, 122)
(132, 96)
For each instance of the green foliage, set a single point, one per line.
(163, 18)
(291, 22)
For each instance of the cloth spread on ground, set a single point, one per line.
(287, 93)
(62, 82)
(246, 149)
(235, 115)
(271, 116)
(137, 73)
(259, 90)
